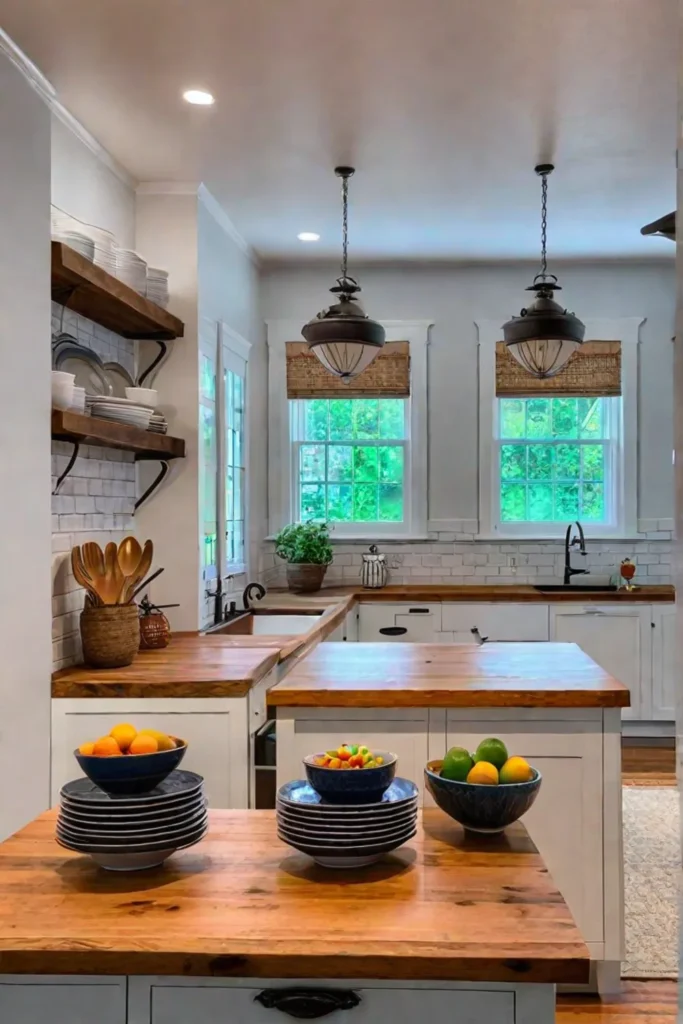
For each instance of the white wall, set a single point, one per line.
(454, 297)
(85, 187)
(166, 232)
(228, 292)
(25, 444)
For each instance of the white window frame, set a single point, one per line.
(625, 475)
(226, 349)
(282, 487)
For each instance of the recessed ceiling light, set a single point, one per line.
(308, 236)
(199, 97)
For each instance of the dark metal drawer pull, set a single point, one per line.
(393, 630)
(307, 1003)
(418, 611)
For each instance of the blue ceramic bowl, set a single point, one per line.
(356, 786)
(131, 773)
(481, 808)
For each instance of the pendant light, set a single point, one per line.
(544, 336)
(343, 338)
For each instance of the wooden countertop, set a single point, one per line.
(191, 666)
(496, 675)
(446, 906)
(506, 593)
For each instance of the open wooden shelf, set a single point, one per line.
(80, 429)
(87, 289)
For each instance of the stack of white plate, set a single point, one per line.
(157, 286)
(131, 269)
(121, 410)
(129, 833)
(345, 835)
(78, 241)
(158, 423)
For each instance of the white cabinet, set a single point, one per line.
(618, 638)
(411, 623)
(566, 820)
(521, 622)
(302, 731)
(217, 731)
(664, 674)
(35, 1000)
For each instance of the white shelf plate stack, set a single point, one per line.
(93, 243)
(121, 410)
(131, 269)
(157, 286)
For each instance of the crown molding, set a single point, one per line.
(47, 92)
(222, 218)
(167, 188)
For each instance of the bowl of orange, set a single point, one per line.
(128, 761)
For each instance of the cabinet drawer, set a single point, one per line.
(219, 1005)
(410, 623)
(497, 621)
(37, 1000)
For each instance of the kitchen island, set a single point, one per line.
(448, 927)
(549, 702)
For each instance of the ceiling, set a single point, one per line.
(444, 107)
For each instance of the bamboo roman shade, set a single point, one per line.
(593, 370)
(387, 376)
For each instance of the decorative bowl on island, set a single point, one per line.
(132, 773)
(356, 786)
(481, 808)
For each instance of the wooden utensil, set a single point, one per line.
(141, 571)
(110, 587)
(138, 590)
(82, 576)
(93, 560)
(129, 555)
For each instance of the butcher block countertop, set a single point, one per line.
(506, 593)
(495, 675)
(446, 906)
(191, 666)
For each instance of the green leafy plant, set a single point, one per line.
(307, 543)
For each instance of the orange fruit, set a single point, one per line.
(106, 746)
(87, 749)
(516, 769)
(484, 774)
(143, 745)
(124, 733)
(164, 742)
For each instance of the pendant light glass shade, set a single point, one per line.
(544, 337)
(342, 337)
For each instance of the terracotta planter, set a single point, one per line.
(305, 577)
(110, 635)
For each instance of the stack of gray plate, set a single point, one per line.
(128, 833)
(343, 835)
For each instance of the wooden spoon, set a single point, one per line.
(129, 555)
(93, 560)
(140, 572)
(82, 577)
(113, 577)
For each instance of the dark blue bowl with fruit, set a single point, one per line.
(478, 807)
(352, 786)
(131, 774)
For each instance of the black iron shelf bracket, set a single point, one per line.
(159, 358)
(69, 466)
(159, 478)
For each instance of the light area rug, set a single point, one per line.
(652, 870)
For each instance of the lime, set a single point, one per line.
(492, 750)
(456, 764)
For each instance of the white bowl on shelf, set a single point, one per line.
(78, 400)
(63, 377)
(62, 389)
(148, 397)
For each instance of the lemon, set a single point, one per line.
(516, 769)
(492, 750)
(164, 742)
(456, 764)
(484, 774)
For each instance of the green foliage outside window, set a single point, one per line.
(553, 459)
(351, 461)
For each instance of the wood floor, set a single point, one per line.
(640, 1002)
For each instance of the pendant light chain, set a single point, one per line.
(544, 225)
(345, 225)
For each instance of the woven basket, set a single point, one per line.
(305, 577)
(110, 635)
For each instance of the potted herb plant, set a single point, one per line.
(307, 550)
